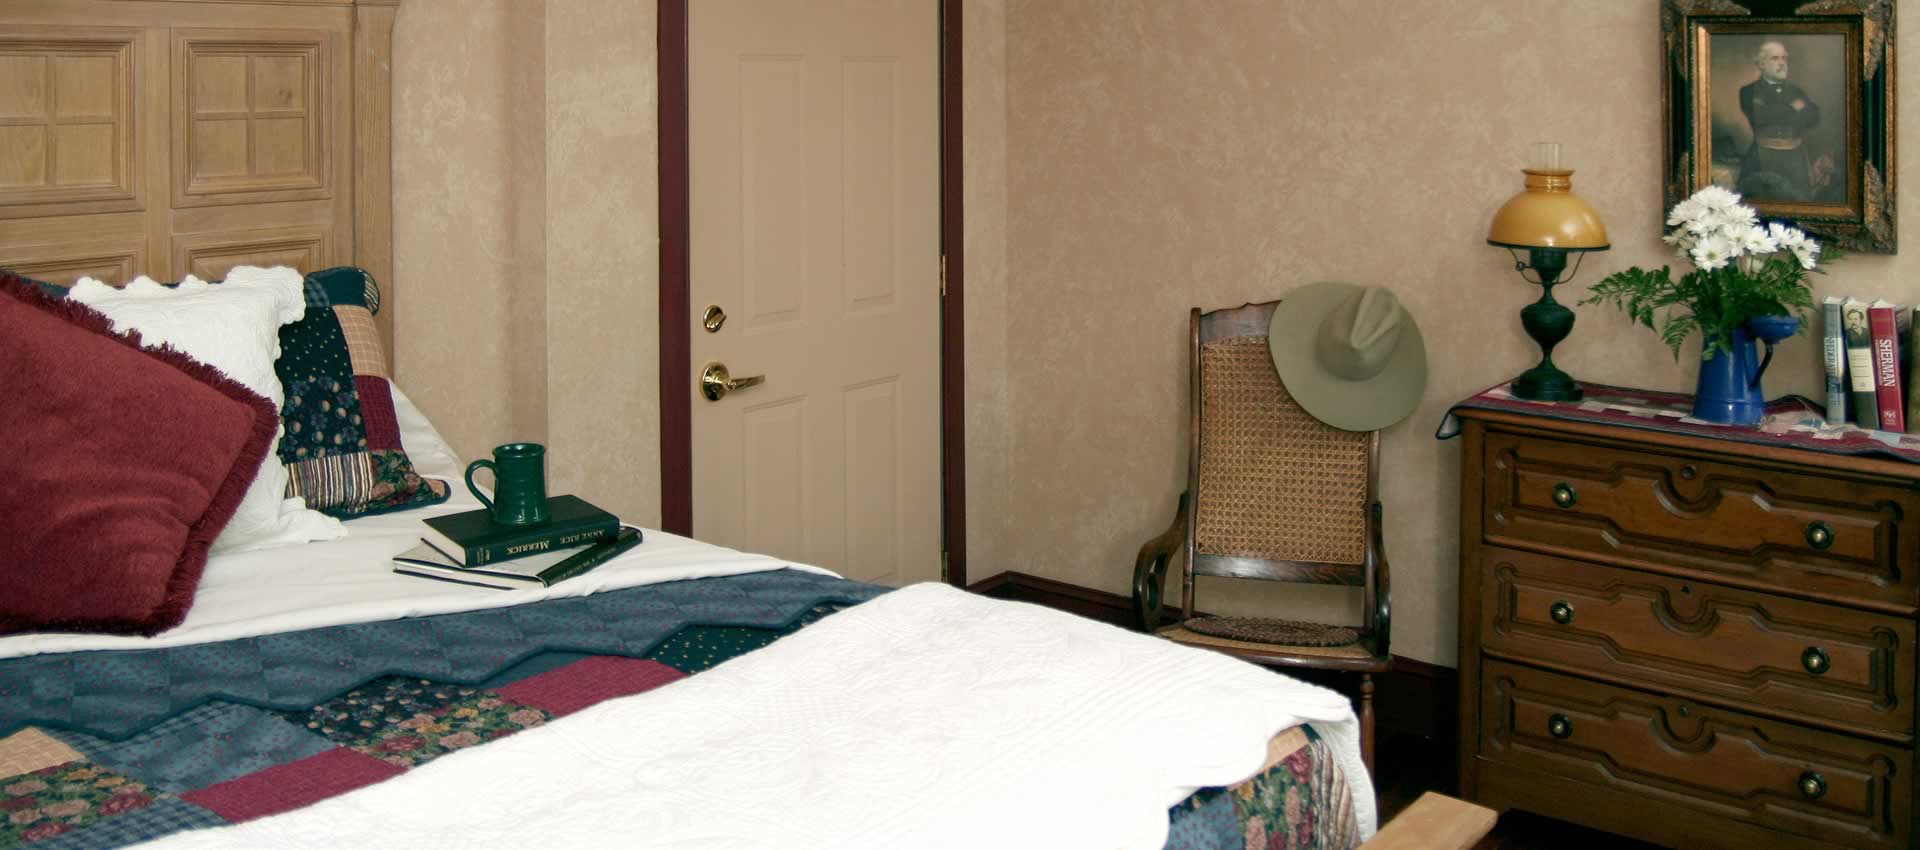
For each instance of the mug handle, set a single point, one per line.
(480, 464)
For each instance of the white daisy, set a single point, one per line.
(1712, 253)
(1753, 240)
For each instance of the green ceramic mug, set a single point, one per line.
(519, 483)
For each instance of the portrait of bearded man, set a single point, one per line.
(1778, 164)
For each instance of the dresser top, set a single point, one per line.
(1792, 431)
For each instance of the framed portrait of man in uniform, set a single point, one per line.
(1788, 103)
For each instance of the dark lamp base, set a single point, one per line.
(1545, 383)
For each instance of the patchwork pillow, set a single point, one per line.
(122, 465)
(233, 327)
(342, 445)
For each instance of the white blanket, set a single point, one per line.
(928, 718)
(351, 580)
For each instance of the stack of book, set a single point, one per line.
(471, 548)
(1868, 353)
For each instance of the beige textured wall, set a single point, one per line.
(455, 195)
(984, 166)
(603, 265)
(1162, 157)
(525, 319)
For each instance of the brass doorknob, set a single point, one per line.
(715, 382)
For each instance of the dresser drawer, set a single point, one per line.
(1830, 537)
(1790, 658)
(1724, 763)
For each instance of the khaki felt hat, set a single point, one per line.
(1350, 355)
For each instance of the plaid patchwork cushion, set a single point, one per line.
(342, 442)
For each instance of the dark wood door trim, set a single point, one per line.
(676, 342)
(953, 443)
(676, 313)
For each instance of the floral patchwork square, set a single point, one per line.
(65, 797)
(406, 722)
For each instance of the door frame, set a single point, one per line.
(676, 309)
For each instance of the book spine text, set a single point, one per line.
(1834, 357)
(540, 540)
(1886, 368)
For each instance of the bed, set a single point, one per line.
(682, 695)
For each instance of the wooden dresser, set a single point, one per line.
(1692, 641)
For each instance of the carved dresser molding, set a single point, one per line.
(1685, 640)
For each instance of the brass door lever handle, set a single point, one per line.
(715, 382)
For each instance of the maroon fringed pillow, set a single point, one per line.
(121, 465)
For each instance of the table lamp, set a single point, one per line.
(1547, 221)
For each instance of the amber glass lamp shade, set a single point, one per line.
(1541, 226)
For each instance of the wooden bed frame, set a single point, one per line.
(168, 137)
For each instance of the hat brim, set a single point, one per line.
(1367, 405)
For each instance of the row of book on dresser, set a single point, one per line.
(471, 548)
(1868, 354)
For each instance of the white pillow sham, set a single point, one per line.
(233, 327)
(429, 452)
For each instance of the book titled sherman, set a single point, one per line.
(543, 570)
(472, 538)
(1886, 366)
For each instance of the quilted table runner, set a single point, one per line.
(1790, 421)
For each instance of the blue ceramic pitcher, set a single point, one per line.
(1729, 390)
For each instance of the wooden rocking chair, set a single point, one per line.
(1274, 494)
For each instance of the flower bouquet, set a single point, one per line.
(1749, 282)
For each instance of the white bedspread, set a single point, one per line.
(351, 580)
(928, 718)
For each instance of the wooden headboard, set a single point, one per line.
(168, 137)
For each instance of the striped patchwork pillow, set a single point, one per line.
(342, 442)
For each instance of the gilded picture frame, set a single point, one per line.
(1791, 104)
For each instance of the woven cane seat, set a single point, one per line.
(1351, 654)
(1275, 483)
(1271, 630)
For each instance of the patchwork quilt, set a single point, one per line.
(109, 749)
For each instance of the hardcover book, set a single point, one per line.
(542, 570)
(1834, 358)
(472, 538)
(1866, 404)
(1886, 367)
(1907, 341)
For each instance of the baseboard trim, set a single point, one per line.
(1414, 698)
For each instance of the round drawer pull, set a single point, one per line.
(1813, 786)
(1819, 534)
(1561, 727)
(1561, 612)
(1816, 660)
(1564, 496)
(1688, 472)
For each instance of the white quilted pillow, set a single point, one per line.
(233, 327)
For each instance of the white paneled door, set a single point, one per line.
(815, 231)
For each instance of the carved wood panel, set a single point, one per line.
(1790, 658)
(1829, 537)
(67, 121)
(251, 116)
(1709, 759)
(209, 256)
(113, 261)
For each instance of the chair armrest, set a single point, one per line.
(1383, 585)
(1434, 822)
(1150, 569)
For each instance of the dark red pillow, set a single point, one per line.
(119, 467)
